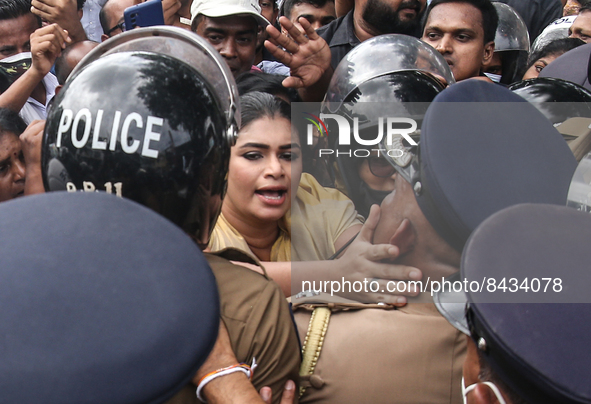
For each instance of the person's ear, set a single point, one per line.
(80, 13)
(404, 238)
(482, 394)
(489, 50)
(471, 368)
(104, 37)
(58, 89)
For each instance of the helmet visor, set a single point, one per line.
(402, 152)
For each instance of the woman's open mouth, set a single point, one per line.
(272, 196)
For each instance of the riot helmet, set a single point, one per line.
(149, 115)
(565, 104)
(557, 29)
(366, 93)
(382, 55)
(511, 43)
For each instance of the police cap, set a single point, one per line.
(541, 351)
(482, 149)
(103, 301)
(572, 66)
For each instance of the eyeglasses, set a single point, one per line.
(120, 25)
(380, 167)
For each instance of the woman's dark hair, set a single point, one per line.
(256, 105)
(267, 83)
(11, 121)
(556, 47)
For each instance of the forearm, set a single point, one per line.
(33, 180)
(76, 32)
(16, 95)
(230, 389)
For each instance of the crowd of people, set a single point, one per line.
(288, 254)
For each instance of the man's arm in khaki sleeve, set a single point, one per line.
(271, 338)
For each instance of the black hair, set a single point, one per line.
(490, 18)
(80, 4)
(266, 83)
(288, 5)
(557, 47)
(585, 7)
(11, 9)
(256, 105)
(11, 122)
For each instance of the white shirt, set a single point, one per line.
(33, 109)
(90, 19)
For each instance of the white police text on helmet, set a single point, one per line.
(119, 131)
(344, 130)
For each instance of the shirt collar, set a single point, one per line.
(345, 33)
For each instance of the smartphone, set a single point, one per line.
(144, 15)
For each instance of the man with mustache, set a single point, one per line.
(463, 31)
(371, 18)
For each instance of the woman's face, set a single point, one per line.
(263, 163)
(12, 167)
(538, 66)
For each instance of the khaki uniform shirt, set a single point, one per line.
(259, 322)
(409, 355)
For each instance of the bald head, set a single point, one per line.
(70, 57)
(111, 15)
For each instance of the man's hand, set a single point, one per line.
(61, 12)
(170, 9)
(31, 140)
(46, 45)
(364, 261)
(306, 53)
(287, 397)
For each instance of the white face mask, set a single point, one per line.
(495, 389)
(494, 77)
(25, 56)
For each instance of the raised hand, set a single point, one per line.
(305, 53)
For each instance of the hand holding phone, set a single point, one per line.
(144, 15)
